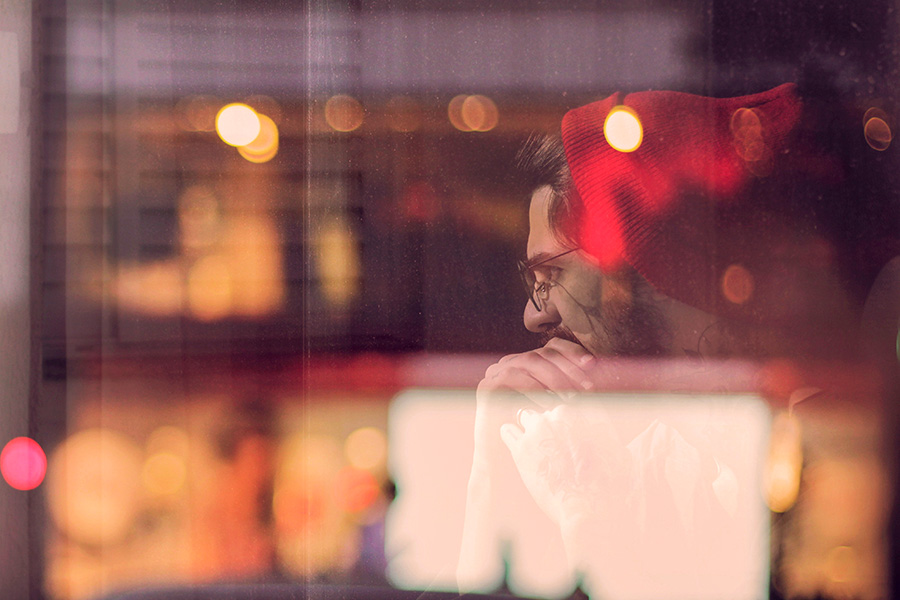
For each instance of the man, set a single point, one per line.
(661, 235)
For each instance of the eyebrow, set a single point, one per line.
(542, 257)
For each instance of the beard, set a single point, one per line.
(635, 328)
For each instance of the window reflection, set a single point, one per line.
(261, 332)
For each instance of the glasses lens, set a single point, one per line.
(529, 281)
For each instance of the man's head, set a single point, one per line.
(731, 207)
(607, 313)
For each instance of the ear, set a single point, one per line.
(618, 287)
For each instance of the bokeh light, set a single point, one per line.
(746, 128)
(874, 111)
(344, 113)
(623, 129)
(878, 134)
(165, 470)
(266, 105)
(164, 473)
(265, 146)
(154, 289)
(356, 490)
(237, 124)
(366, 448)
(310, 526)
(479, 113)
(210, 288)
(23, 463)
(197, 113)
(737, 284)
(745, 123)
(94, 486)
(781, 478)
(338, 264)
(454, 113)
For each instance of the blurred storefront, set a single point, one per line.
(255, 224)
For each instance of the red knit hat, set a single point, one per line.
(686, 199)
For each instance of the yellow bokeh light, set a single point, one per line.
(366, 448)
(237, 124)
(210, 288)
(164, 473)
(781, 478)
(265, 146)
(94, 486)
(623, 129)
(344, 113)
(479, 113)
(154, 289)
(255, 262)
(878, 134)
(338, 264)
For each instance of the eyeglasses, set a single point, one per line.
(534, 289)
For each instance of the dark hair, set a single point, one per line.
(542, 162)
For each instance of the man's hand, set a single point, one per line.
(571, 461)
(540, 378)
(545, 375)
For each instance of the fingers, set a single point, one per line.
(526, 417)
(546, 368)
(576, 352)
(570, 359)
(513, 383)
(511, 436)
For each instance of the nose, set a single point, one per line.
(539, 321)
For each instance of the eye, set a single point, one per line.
(546, 274)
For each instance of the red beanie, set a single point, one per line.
(684, 207)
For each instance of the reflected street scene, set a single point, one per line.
(429, 300)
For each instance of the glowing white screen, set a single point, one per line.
(431, 450)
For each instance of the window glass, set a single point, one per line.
(278, 337)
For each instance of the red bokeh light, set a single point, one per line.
(23, 463)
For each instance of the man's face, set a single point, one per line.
(602, 312)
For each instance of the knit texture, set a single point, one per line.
(684, 207)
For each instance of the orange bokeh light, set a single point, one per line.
(265, 146)
(344, 113)
(737, 284)
(356, 489)
(454, 113)
(878, 134)
(479, 113)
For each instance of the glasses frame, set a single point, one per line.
(526, 272)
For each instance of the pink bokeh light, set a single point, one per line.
(23, 463)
